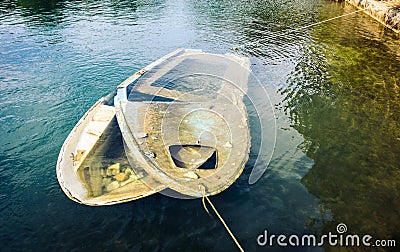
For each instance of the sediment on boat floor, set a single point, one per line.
(386, 12)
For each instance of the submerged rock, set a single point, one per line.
(129, 171)
(113, 169)
(121, 177)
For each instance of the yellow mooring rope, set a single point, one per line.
(203, 191)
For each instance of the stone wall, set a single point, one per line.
(386, 12)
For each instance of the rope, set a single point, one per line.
(204, 205)
(203, 191)
(293, 30)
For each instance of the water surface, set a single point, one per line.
(334, 87)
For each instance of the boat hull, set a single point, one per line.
(197, 107)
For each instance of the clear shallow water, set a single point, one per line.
(335, 88)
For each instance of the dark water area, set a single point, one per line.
(335, 89)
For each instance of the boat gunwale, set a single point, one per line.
(64, 147)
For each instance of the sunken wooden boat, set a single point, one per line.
(92, 167)
(184, 120)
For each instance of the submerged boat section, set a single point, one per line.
(186, 118)
(92, 167)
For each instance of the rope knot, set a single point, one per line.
(202, 189)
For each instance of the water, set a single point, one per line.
(334, 87)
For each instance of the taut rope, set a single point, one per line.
(293, 30)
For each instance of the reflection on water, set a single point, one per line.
(343, 97)
(38, 12)
(337, 107)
